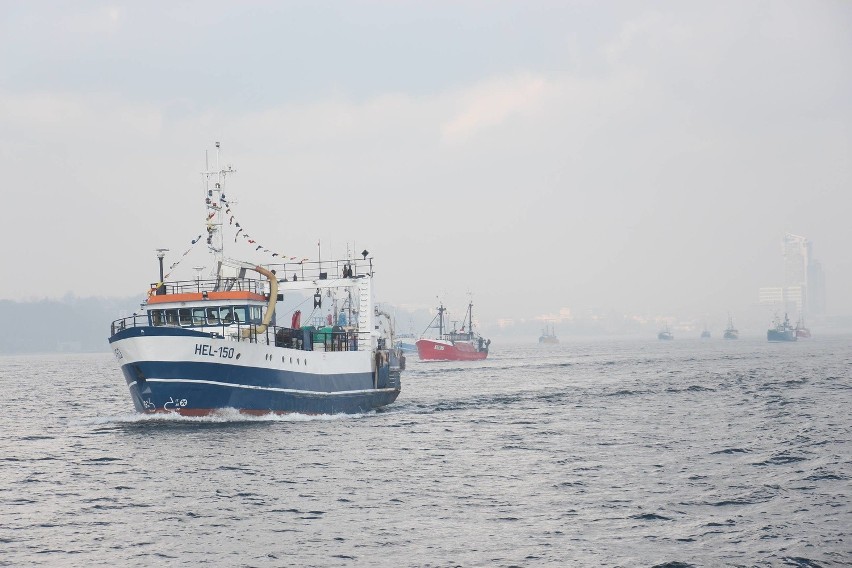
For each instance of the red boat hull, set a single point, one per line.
(433, 350)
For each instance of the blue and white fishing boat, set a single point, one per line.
(781, 330)
(207, 344)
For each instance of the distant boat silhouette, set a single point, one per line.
(548, 335)
(781, 331)
(730, 331)
(802, 332)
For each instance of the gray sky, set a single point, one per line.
(645, 157)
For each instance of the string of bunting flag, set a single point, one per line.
(241, 233)
(213, 209)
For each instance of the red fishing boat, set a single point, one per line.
(456, 345)
(802, 332)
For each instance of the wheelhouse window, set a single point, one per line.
(156, 317)
(198, 316)
(241, 314)
(171, 317)
(226, 313)
(255, 314)
(185, 317)
(213, 316)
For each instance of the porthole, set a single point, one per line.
(283, 359)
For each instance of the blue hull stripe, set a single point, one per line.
(237, 375)
(291, 391)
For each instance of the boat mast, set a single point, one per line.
(441, 310)
(214, 197)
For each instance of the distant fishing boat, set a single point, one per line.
(781, 331)
(802, 332)
(665, 334)
(406, 342)
(548, 335)
(456, 345)
(731, 332)
(706, 333)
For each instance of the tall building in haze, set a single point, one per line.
(803, 290)
(816, 288)
(804, 281)
(796, 251)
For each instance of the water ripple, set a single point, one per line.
(600, 453)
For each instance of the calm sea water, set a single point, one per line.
(586, 453)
